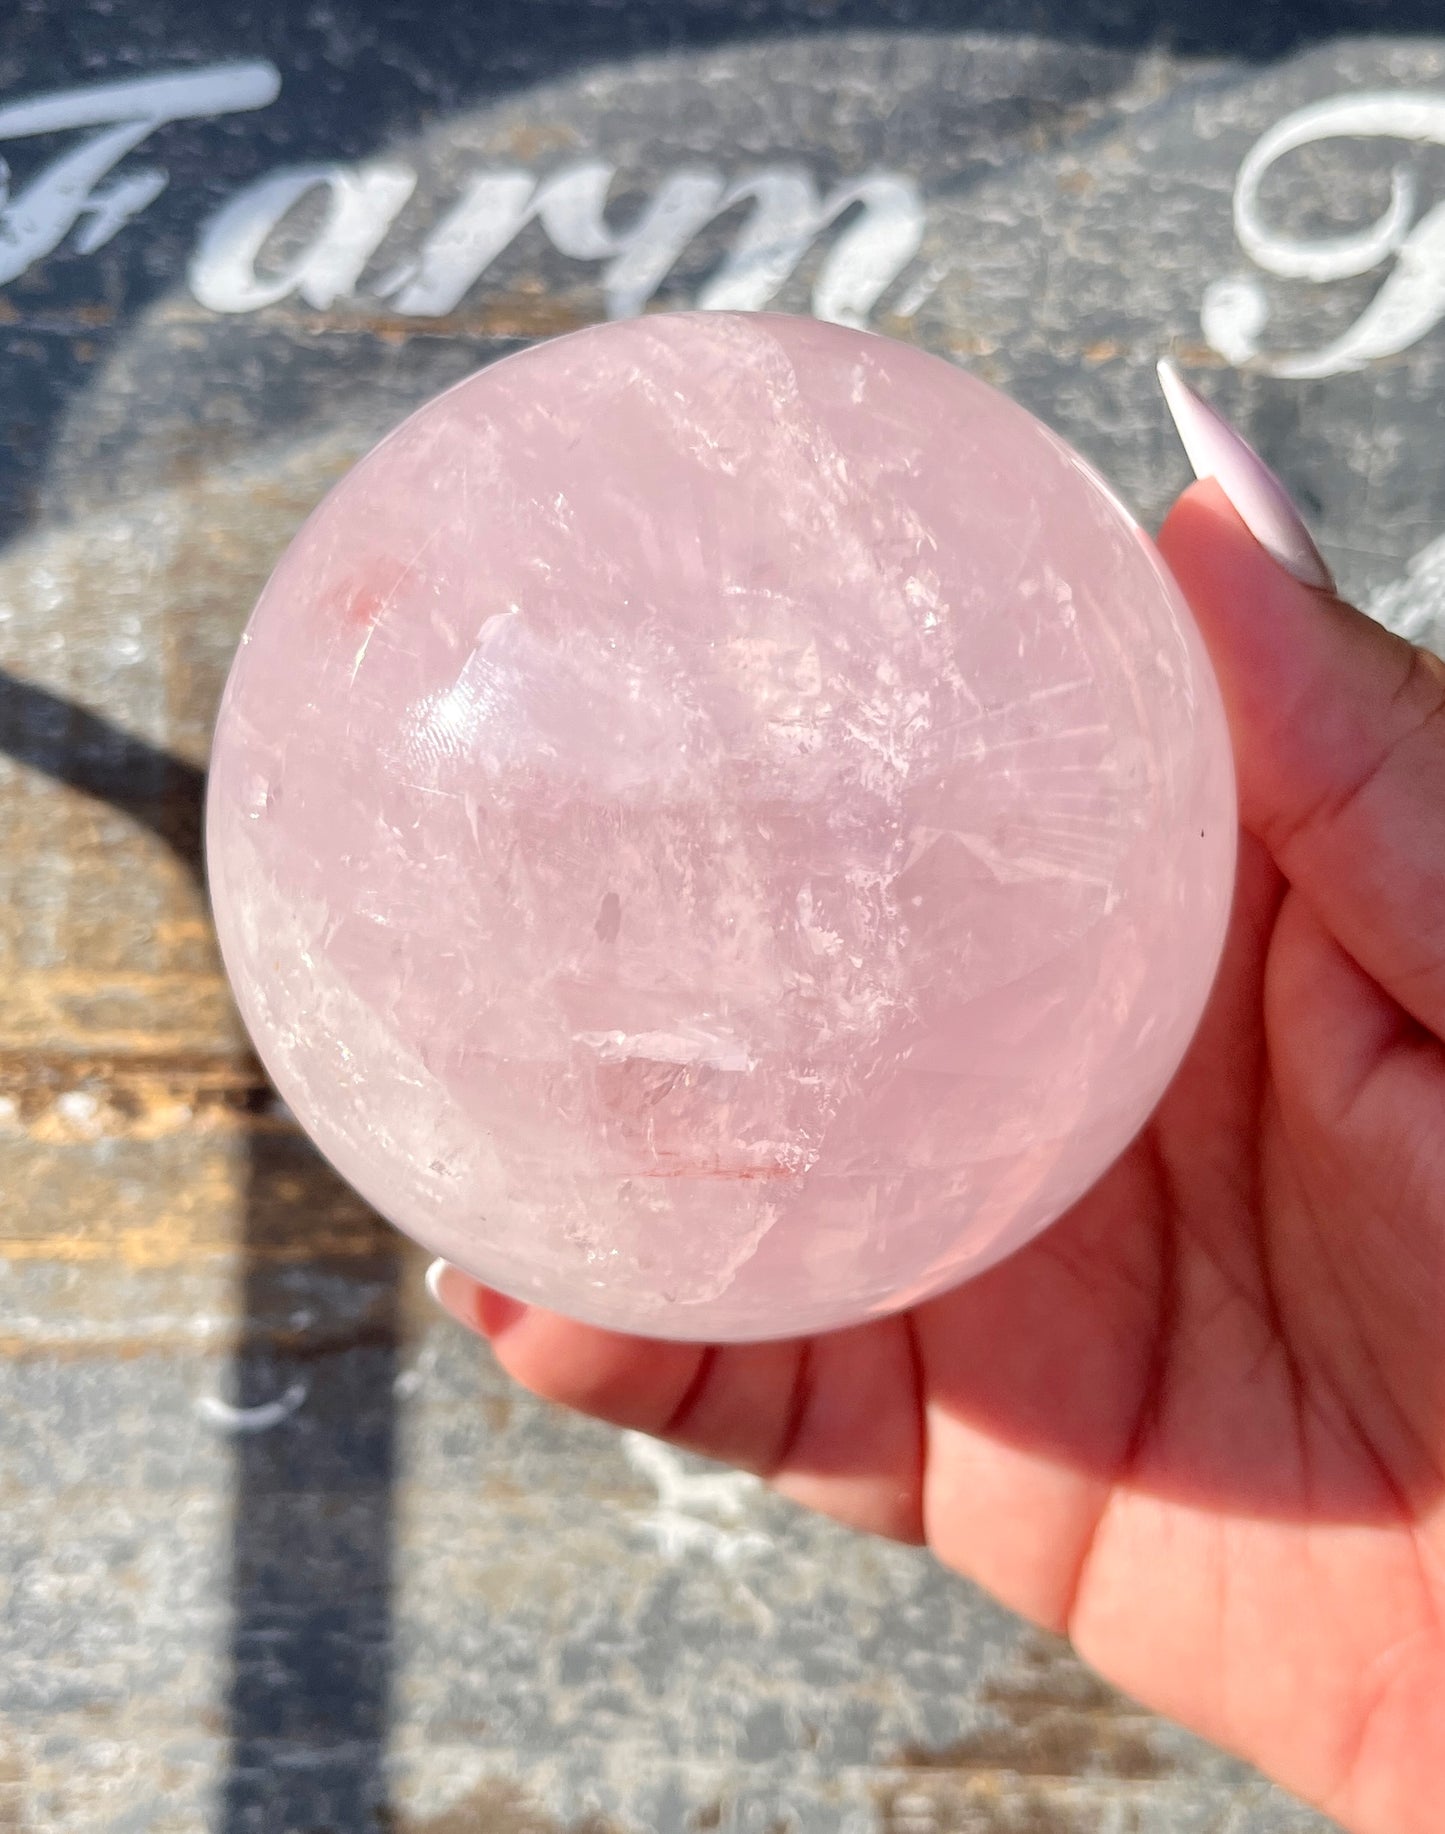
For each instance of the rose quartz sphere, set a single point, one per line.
(722, 826)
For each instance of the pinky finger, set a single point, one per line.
(628, 1381)
(832, 1422)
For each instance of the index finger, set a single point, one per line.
(1339, 736)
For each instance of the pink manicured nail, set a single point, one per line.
(1265, 507)
(451, 1289)
(471, 1304)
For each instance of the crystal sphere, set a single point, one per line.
(721, 825)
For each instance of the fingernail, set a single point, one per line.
(471, 1304)
(453, 1291)
(1265, 507)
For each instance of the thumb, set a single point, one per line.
(1339, 739)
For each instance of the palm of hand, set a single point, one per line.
(1200, 1423)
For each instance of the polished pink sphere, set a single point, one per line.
(721, 825)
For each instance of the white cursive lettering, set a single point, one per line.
(362, 205)
(35, 220)
(787, 217)
(1410, 303)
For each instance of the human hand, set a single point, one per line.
(1199, 1424)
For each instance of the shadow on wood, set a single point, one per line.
(309, 1684)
